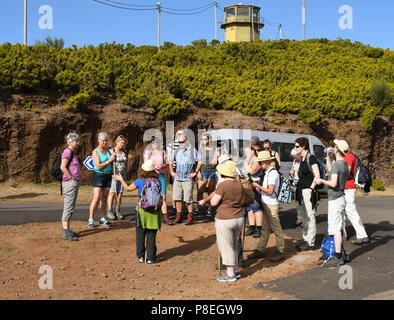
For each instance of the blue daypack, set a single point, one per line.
(151, 199)
(328, 248)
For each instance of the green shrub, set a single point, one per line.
(134, 98)
(377, 185)
(312, 117)
(77, 102)
(368, 118)
(380, 93)
(278, 121)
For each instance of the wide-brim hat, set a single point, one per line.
(264, 156)
(227, 169)
(148, 165)
(224, 157)
(342, 145)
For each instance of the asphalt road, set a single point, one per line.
(372, 265)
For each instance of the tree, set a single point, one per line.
(49, 42)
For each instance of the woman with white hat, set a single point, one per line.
(229, 198)
(147, 222)
(269, 197)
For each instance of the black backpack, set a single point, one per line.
(56, 172)
(364, 175)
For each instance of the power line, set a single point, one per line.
(194, 9)
(125, 8)
(130, 4)
(188, 14)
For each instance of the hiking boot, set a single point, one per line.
(74, 234)
(334, 262)
(67, 235)
(305, 247)
(110, 214)
(226, 278)
(189, 220)
(105, 223)
(256, 254)
(257, 234)
(360, 241)
(178, 218)
(167, 220)
(251, 230)
(279, 256)
(141, 260)
(118, 215)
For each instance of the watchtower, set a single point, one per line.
(242, 23)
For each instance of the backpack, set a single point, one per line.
(248, 191)
(328, 248)
(273, 154)
(363, 174)
(322, 170)
(151, 199)
(285, 191)
(56, 172)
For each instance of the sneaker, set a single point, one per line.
(167, 220)
(333, 262)
(226, 278)
(118, 215)
(209, 213)
(250, 231)
(67, 235)
(305, 247)
(178, 218)
(90, 223)
(74, 234)
(256, 254)
(105, 223)
(360, 241)
(196, 211)
(257, 234)
(298, 224)
(300, 244)
(141, 260)
(189, 220)
(151, 262)
(110, 214)
(279, 256)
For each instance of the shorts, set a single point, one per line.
(336, 220)
(208, 175)
(182, 191)
(102, 180)
(119, 186)
(162, 180)
(253, 207)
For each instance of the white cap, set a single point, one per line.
(224, 157)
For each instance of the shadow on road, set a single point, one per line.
(116, 226)
(22, 196)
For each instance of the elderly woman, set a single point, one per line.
(70, 183)
(116, 186)
(294, 178)
(102, 177)
(229, 197)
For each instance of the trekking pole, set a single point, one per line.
(243, 236)
(219, 262)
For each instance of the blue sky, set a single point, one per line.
(84, 22)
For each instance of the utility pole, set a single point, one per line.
(158, 34)
(303, 16)
(251, 7)
(280, 32)
(25, 25)
(216, 20)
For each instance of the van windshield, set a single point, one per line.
(318, 150)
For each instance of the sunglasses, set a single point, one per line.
(295, 146)
(181, 142)
(266, 148)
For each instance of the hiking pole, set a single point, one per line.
(219, 262)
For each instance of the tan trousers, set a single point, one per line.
(271, 222)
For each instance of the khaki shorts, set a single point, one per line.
(182, 191)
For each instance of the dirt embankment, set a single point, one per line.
(29, 140)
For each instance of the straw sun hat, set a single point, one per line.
(227, 169)
(148, 165)
(264, 156)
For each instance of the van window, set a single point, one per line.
(242, 144)
(284, 150)
(319, 152)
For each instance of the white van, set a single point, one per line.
(238, 139)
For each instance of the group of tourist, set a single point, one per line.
(216, 174)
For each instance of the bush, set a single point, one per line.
(77, 102)
(312, 117)
(377, 185)
(368, 118)
(380, 93)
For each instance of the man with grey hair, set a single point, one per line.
(70, 183)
